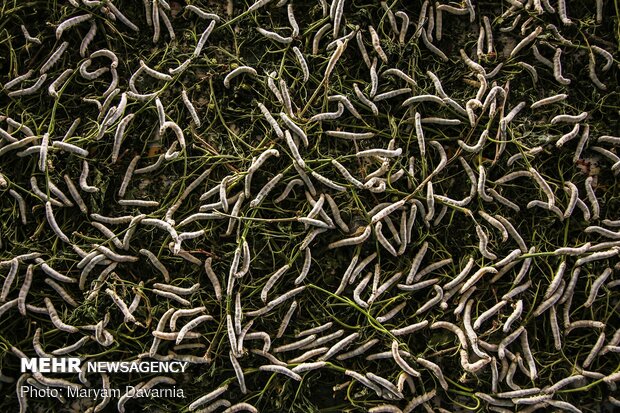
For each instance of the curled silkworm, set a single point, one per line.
(358, 239)
(56, 319)
(49, 214)
(557, 68)
(29, 90)
(272, 280)
(58, 82)
(367, 102)
(236, 72)
(73, 21)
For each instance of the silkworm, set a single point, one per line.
(362, 48)
(592, 197)
(23, 291)
(547, 101)
(596, 285)
(368, 103)
(190, 107)
(236, 72)
(315, 330)
(58, 82)
(274, 36)
(557, 68)
(409, 329)
(391, 94)
(162, 225)
(272, 280)
(203, 38)
(49, 214)
(73, 21)
(545, 305)
(29, 90)
(28, 37)
(54, 57)
(9, 85)
(568, 292)
(56, 319)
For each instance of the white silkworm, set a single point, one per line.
(557, 68)
(21, 205)
(547, 101)
(592, 197)
(296, 129)
(73, 21)
(272, 280)
(339, 346)
(29, 90)
(281, 370)
(545, 305)
(362, 48)
(367, 102)
(488, 314)
(567, 137)
(128, 174)
(274, 36)
(518, 309)
(409, 329)
(49, 214)
(391, 94)
(56, 319)
(483, 243)
(54, 57)
(8, 85)
(596, 285)
(203, 37)
(376, 44)
(191, 325)
(526, 41)
(544, 186)
(236, 72)
(58, 82)
(190, 107)
(23, 291)
(582, 143)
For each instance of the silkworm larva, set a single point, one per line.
(272, 280)
(23, 291)
(547, 101)
(557, 68)
(21, 204)
(203, 38)
(368, 103)
(54, 57)
(545, 305)
(526, 41)
(274, 36)
(409, 329)
(29, 90)
(430, 46)
(596, 285)
(211, 395)
(191, 325)
(58, 82)
(190, 107)
(592, 197)
(49, 214)
(73, 21)
(128, 174)
(56, 319)
(8, 85)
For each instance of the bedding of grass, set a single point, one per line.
(233, 133)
